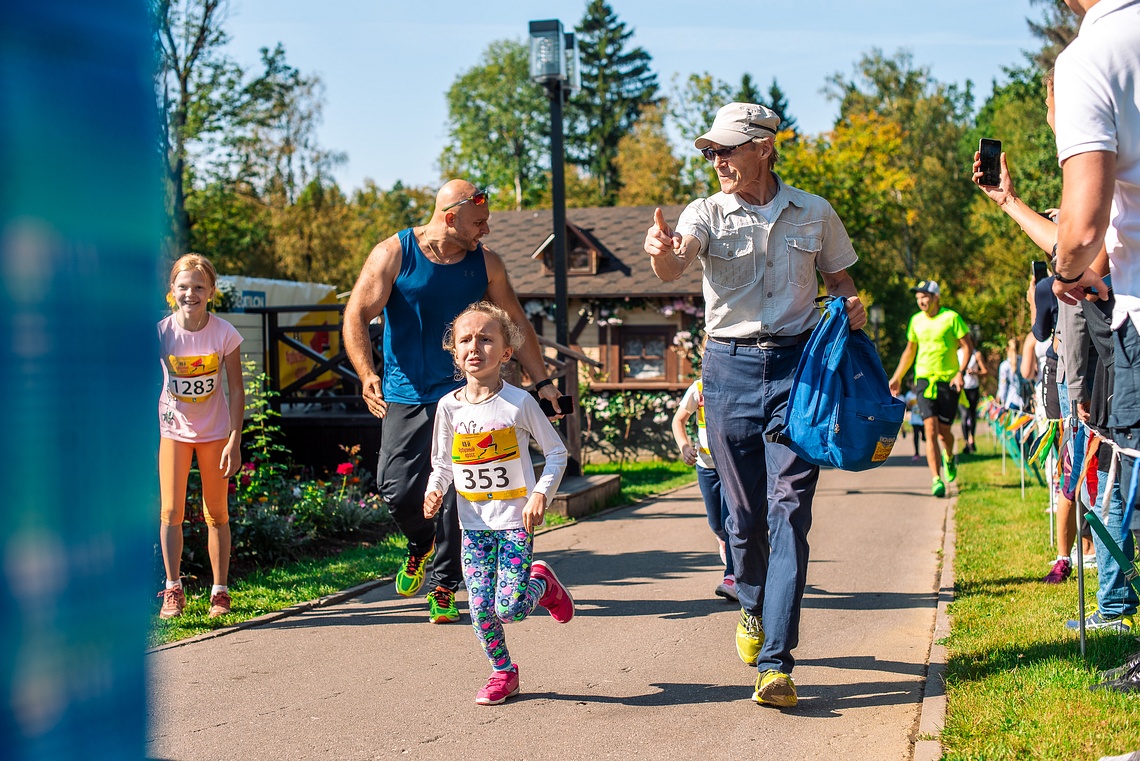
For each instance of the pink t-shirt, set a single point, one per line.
(192, 406)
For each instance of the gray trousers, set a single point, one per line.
(401, 478)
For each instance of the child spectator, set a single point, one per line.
(481, 443)
(716, 506)
(916, 426)
(196, 421)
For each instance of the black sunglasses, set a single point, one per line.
(712, 154)
(478, 198)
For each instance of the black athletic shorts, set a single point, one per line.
(943, 406)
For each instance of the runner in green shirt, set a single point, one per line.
(933, 337)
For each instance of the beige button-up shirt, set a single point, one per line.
(760, 276)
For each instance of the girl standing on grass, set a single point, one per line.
(481, 438)
(196, 420)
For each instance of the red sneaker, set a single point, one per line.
(173, 602)
(501, 685)
(1060, 572)
(557, 598)
(219, 604)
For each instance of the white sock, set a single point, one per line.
(218, 588)
(174, 584)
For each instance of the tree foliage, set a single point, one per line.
(650, 173)
(617, 83)
(499, 123)
(692, 109)
(1056, 29)
(778, 102)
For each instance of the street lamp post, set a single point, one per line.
(876, 314)
(554, 65)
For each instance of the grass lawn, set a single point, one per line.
(1017, 686)
(268, 590)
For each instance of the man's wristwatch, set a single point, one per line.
(1067, 281)
(542, 384)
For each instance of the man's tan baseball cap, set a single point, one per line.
(737, 123)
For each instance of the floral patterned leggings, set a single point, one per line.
(496, 567)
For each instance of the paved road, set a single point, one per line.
(647, 669)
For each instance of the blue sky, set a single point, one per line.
(386, 65)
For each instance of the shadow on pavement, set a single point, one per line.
(814, 597)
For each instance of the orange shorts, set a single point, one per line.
(174, 459)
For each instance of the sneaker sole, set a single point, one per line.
(779, 694)
(726, 593)
(500, 701)
(168, 616)
(444, 619)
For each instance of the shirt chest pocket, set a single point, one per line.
(802, 249)
(731, 263)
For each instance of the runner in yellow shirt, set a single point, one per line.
(934, 336)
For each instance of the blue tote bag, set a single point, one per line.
(841, 412)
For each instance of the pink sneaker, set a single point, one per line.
(501, 685)
(727, 589)
(557, 598)
(1060, 572)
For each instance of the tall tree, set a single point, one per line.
(616, 83)
(498, 120)
(692, 109)
(933, 119)
(998, 251)
(650, 173)
(273, 146)
(778, 102)
(195, 84)
(748, 93)
(1056, 29)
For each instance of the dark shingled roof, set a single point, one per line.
(617, 232)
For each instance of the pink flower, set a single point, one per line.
(344, 468)
(249, 466)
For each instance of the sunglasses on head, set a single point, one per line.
(478, 198)
(711, 154)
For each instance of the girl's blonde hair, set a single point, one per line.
(195, 262)
(510, 330)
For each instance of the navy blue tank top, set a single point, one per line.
(426, 298)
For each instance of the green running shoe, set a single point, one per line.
(441, 606)
(937, 488)
(410, 577)
(774, 688)
(951, 465)
(749, 637)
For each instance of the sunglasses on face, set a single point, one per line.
(478, 198)
(712, 154)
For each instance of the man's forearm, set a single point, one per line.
(357, 345)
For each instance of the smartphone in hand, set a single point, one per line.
(565, 406)
(990, 151)
(1040, 271)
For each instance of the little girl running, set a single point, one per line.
(195, 419)
(481, 438)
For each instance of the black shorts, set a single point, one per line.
(943, 406)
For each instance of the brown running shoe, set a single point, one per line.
(219, 604)
(173, 601)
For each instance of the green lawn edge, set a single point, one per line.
(1016, 684)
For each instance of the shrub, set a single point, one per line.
(276, 512)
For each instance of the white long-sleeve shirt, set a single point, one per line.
(484, 450)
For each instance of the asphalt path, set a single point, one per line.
(647, 668)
